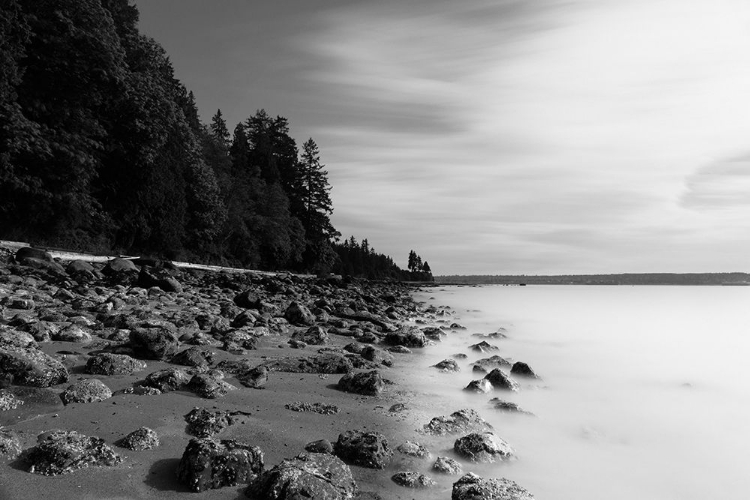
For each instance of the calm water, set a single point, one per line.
(645, 391)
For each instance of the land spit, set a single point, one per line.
(135, 378)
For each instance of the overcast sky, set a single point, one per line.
(499, 137)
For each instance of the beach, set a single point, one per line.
(306, 332)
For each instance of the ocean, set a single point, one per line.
(644, 390)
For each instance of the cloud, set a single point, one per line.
(719, 185)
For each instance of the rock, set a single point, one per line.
(139, 440)
(314, 335)
(322, 363)
(500, 380)
(483, 447)
(210, 385)
(72, 333)
(376, 355)
(9, 401)
(507, 406)
(521, 369)
(21, 303)
(367, 449)
(399, 349)
(254, 378)
(29, 366)
(448, 365)
(12, 337)
(413, 450)
(487, 364)
(37, 258)
(473, 487)
(10, 444)
(247, 300)
(321, 408)
(154, 343)
(412, 480)
(481, 386)
(118, 265)
(446, 465)
(168, 379)
(86, 391)
(80, 266)
(483, 346)
(208, 464)
(458, 422)
(204, 423)
(194, 356)
(113, 364)
(316, 476)
(297, 314)
(62, 452)
(165, 282)
(320, 446)
(412, 337)
(367, 383)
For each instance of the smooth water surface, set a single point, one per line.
(645, 391)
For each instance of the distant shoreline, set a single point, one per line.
(677, 279)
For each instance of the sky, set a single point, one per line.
(499, 136)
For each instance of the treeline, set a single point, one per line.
(101, 148)
(360, 259)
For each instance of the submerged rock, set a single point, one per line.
(62, 452)
(413, 480)
(413, 449)
(208, 464)
(412, 337)
(483, 447)
(448, 365)
(507, 406)
(481, 386)
(309, 475)
(521, 369)
(500, 380)
(367, 449)
(446, 465)
(473, 487)
(483, 346)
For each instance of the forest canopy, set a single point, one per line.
(102, 149)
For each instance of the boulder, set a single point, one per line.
(247, 300)
(10, 444)
(315, 335)
(255, 378)
(38, 258)
(521, 369)
(367, 449)
(194, 356)
(119, 265)
(320, 446)
(86, 391)
(154, 343)
(483, 346)
(473, 487)
(113, 364)
(412, 337)
(413, 449)
(72, 333)
(309, 475)
(480, 386)
(208, 464)
(297, 314)
(448, 365)
(323, 363)
(61, 452)
(205, 423)
(376, 355)
(447, 465)
(458, 422)
(484, 447)
(507, 406)
(487, 364)
(168, 379)
(30, 366)
(367, 383)
(210, 385)
(413, 480)
(8, 400)
(139, 440)
(501, 381)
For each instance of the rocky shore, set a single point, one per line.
(138, 379)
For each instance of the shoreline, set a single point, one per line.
(203, 315)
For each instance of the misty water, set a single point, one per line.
(644, 392)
